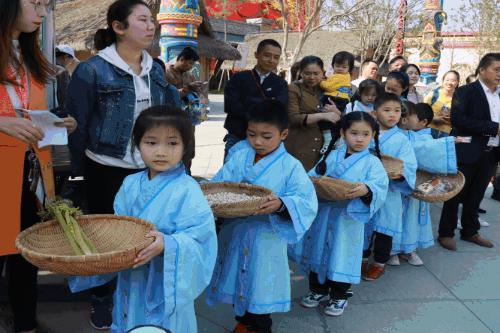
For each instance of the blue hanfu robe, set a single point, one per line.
(333, 246)
(162, 292)
(243, 144)
(435, 156)
(252, 271)
(389, 219)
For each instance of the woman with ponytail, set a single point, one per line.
(332, 249)
(24, 73)
(106, 94)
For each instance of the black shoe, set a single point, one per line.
(101, 313)
(349, 293)
(481, 211)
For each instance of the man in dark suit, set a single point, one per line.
(248, 88)
(475, 118)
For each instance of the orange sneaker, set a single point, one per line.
(240, 328)
(373, 272)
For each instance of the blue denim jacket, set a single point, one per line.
(101, 97)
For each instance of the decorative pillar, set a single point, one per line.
(431, 44)
(179, 21)
(401, 27)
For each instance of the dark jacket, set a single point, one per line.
(470, 117)
(101, 97)
(244, 91)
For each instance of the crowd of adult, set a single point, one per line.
(107, 92)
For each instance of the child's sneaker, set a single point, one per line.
(393, 261)
(239, 328)
(312, 300)
(374, 272)
(335, 307)
(413, 259)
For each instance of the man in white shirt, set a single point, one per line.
(369, 70)
(475, 119)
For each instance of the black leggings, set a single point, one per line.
(382, 246)
(102, 184)
(260, 323)
(336, 290)
(21, 275)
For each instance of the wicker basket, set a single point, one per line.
(118, 239)
(457, 181)
(331, 189)
(236, 209)
(392, 165)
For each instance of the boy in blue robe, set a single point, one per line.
(174, 270)
(388, 221)
(332, 249)
(434, 156)
(252, 271)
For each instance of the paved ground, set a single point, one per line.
(452, 293)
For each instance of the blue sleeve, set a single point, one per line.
(121, 204)
(436, 155)
(172, 96)
(302, 205)
(406, 154)
(80, 100)
(237, 147)
(190, 251)
(231, 170)
(80, 283)
(378, 183)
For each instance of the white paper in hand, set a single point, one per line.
(46, 121)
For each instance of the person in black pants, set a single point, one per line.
(21, 275)
(475, 118)
(248, 88)
(496, 186)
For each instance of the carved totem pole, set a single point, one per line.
(431, 45)
(179, 21)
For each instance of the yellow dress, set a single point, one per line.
(441, 105)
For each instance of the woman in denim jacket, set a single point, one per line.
(106, 94)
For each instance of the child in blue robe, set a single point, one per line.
(332, 249)
(252, 271)
(364, 97)
(170, 273)
(388, 221)
(434, 156)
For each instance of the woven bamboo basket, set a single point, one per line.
(456, 181)
(118, 239)
(331, 189)
(236, 209)
(392, 165)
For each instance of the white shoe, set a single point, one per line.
(413, 259)
(459, 225)
(483, 223)
(335, 307)
(393, 261)
(312, 300)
